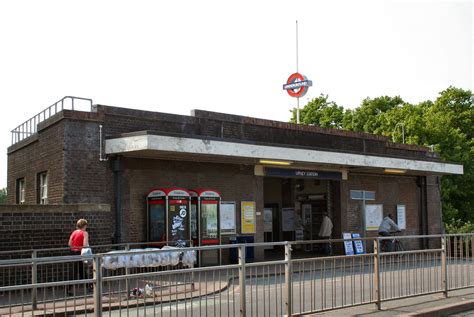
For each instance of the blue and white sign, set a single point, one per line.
(359, 246)
(348, 248)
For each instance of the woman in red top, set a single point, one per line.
(79, 239)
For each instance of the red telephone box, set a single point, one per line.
(208, 223)
(168, 216)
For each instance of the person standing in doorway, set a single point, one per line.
(386, 229)
(79, 239)
(325, 232)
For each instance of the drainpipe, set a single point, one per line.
(117, 167)
(423, 209)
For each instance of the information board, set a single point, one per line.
(228, 225)
(288, 219)
(358, 245)
(348, 248)
(401, 217)
(373, 217)
(248, 217)
(267, 220)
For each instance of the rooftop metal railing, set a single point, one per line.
(294, 282)
(30, 126)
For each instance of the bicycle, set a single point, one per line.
(396, 244)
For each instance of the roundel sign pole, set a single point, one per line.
(297, 86)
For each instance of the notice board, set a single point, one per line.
(373, 217)
(248, 217)
(228, 225)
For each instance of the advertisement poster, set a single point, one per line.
(288, 219)
(178, 217)
(247, 212)
(373, 217)
(401, 217)
(228, 225)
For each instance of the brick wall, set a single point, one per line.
(43, 153)
(234, 182)
(24, 227)
(219, 125)
(389, 191)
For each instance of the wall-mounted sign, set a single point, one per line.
(297, 85)
(228, 217)
(248, 217)
(294, 173)
(373, 217)
(401, 217)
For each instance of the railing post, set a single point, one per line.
(127, 271)
(242, 284)
(444, 267)
(288, 280)
(97, 263)
(34, 281)
(377, 280)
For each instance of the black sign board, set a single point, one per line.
(297, 173)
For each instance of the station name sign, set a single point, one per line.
(296, 173)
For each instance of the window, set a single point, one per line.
(20, 191)
(42, 188)
(362, 195)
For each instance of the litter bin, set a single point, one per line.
(248, 250)
(234, 252)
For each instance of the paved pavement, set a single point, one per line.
(459, 303)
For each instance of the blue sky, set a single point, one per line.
(226, 56)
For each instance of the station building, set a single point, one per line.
(277, 177)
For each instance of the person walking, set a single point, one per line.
(386, 229)
(78, 240)
(325, 232)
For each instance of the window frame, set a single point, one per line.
(42, 190)
(20, 190)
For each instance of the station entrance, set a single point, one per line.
(294, 209)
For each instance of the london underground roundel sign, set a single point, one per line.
(297, 85)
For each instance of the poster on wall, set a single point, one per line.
(247, 213)
(228, 225)
(401, 217)
(373, 217)
(267, 220)
(288, 219)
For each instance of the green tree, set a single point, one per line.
(3, 196)
(445, 124)
(320, 112)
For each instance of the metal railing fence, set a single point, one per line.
(294, 282)
(30, 126)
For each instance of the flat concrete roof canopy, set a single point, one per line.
(156, 146)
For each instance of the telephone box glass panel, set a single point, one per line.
(209, 221)
(157, 222)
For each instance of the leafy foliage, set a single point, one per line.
(445, 124)
(3, 196)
